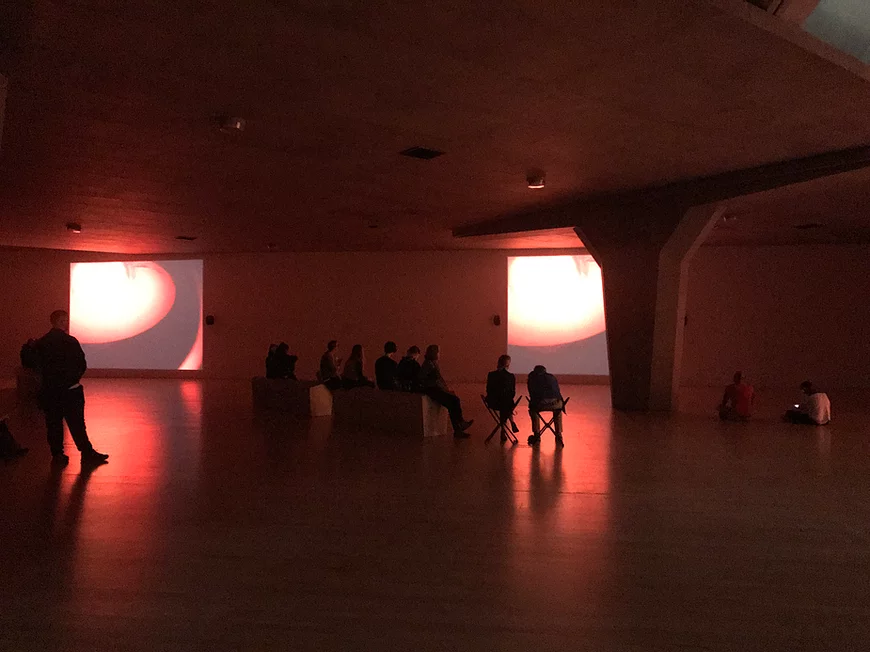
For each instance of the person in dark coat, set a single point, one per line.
(408, 371)
(386, 367)
(354, 373)
(436, 388)
(501, 390)
(62, 397)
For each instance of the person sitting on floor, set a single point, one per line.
(386, 367)
(353, 374)
(433, 385)
(814, 410)
(501, 389)
(544, 396)
(328, 372)
(737, 401)
(283, 364)
(408, 371)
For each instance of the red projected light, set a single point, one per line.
(116, 301)
(554, 300)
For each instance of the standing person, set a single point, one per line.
(433, 385)
(501, 388)
(328, 374)
(62, 396)
(408, 371)
(354, 374)
(737, 401)
(814, 410)
(544, 396)
(386, 367)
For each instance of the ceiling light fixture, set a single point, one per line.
(186, 238)
(424, 153)
(231, 124)
(535, 179)
(74, 227)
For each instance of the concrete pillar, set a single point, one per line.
(644, 252)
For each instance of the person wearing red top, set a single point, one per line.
(737, 402)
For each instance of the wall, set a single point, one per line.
(781, 314)
(418, 298)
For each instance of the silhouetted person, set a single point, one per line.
(271, 371)
(814, 410)
(433, 385)
(408, 371)
(354, 374)
(501, 389)
(328, 373)
(284, 364)
(737, 401)
(386, 367)
(62, 396)
(544, 396)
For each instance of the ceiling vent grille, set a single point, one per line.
(423, 153)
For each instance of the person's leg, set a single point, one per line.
(557, 415)
(74, 413)
(451, 402)
(536, 423)
(53, 409)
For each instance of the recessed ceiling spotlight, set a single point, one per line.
(186, 238)
(535, 179)
(271, 246)
(74, 227)
(425, 153)
(231, 124)
(372, 225)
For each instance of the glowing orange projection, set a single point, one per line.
(554, 300)
(116, 301)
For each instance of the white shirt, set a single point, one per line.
(818, 408)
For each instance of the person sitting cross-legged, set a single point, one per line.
(544, 396)
(501, 388)
(737, 401)
(435, 388)
(814, 410)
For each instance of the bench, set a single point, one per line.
(302, 398)
(399, 413)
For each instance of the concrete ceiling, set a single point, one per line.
(109, 118)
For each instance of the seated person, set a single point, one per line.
(432, 383)
(353, 375)
(328, 372)
(8, 446)
(501, 389)
(544, 396)
(814, 410)
(737, 401)
(283, 364)
(386, 367)
(408, 371)
(270, 362)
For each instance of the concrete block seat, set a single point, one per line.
(398, 413)
(299, 397)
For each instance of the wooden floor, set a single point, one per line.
(214, 530)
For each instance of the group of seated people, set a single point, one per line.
(737, 402)
(544, 396)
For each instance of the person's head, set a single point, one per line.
(59, 319)
(272, 348)
(356, 352)
(283, 347)
(738, 377)
(539, 369)
(332, 345)
(390, 348)
(504, 361)
(413, 352)
(432, 352)
(807, 387)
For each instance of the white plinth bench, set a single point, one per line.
(399, 413)
(299, 397)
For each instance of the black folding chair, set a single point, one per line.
(549, 425)
(500, 426)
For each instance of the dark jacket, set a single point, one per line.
(281, 365)
(385, 372)
(431, 378)
(543, 387)
(61, 360)
(501, 388)
(353, 371)
(408, 375)
(327, 367)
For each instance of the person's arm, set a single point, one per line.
(79, 363)
(512, 386)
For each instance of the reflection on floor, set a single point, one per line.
(214, 529)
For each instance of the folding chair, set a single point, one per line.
(501, 426)
(548, 425)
